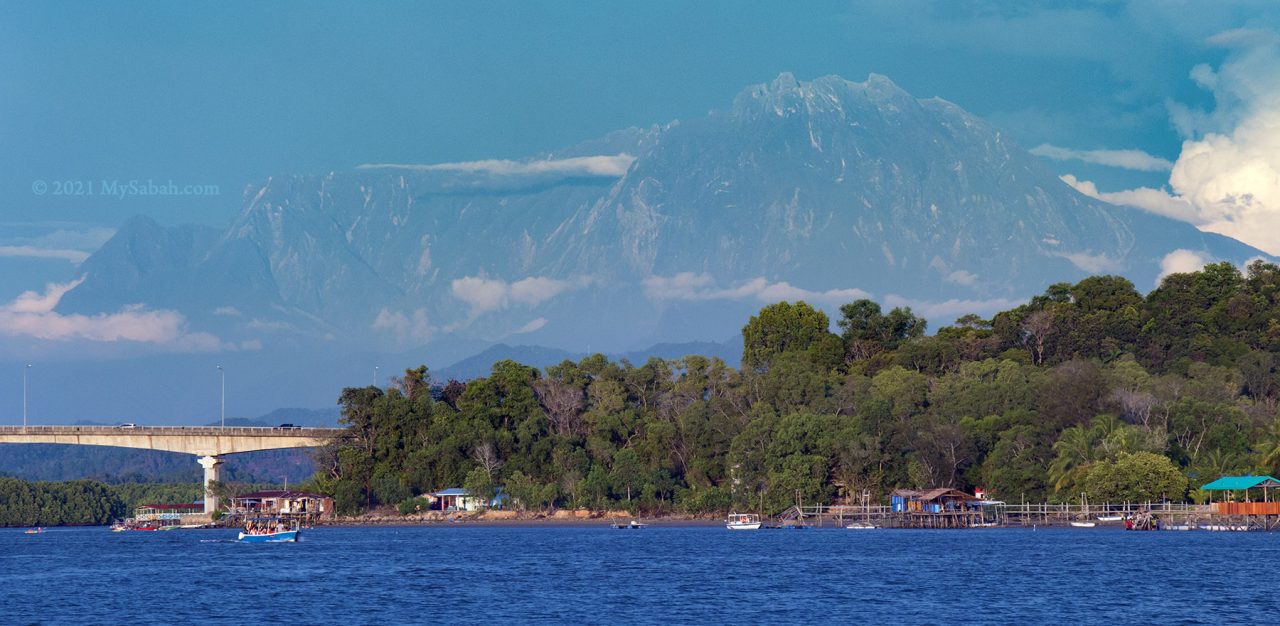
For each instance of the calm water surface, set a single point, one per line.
(467, 574)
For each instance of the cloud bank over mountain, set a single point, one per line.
(1226, 178)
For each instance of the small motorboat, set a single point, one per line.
(34, 531)
(270, 530)
(632, 525)
(743, 521)
(1110, 518)
(1084, 524)
(861, 526)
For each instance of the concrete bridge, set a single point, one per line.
(210, 443)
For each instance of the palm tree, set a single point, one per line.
(1075, 451)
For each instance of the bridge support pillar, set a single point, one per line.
(212, 471)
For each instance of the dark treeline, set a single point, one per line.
(82, 502)
(1090, 388)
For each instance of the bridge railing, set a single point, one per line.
(255, 431)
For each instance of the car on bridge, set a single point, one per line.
(127, 425)
(289, 426)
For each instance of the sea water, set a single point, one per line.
(659, 574)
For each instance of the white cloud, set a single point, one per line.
(1181, 261)
(482, 294)
(691, 286)
(943, 313)
(531, 326)
(962, 277)
(32, 315)
(1092, 263)
(1127, 159)
(73, 246)
(73, 256)
(611, 166)
(490, 294)
(413, 326)
(537, 289)
(1227, 176)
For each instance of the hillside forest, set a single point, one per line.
(1089, 388)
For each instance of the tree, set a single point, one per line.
(867, 331)
(1138, 477)
(479, 484)
(779, 328)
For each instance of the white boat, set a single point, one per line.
(1223, 528)
(1084, 524)
(633, 525)
(1110, 518)
(743, 521)
(1178, 527)
(861, 526)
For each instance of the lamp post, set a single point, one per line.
(375, 376)
(24, 395)
(223, 373)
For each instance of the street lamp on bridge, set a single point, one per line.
(223, 373)
(24, 394)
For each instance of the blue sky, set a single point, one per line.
(228, 93)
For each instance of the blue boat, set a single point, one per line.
(270, 530)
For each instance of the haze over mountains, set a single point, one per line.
(825, 190)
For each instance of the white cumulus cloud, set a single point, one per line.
(533, 325)
(32, 314)
(609, 166)
(943, 313)
(491, 294)
(1181, 261)
(1127, 159)
(702, 286)
(404, 326)
(1227, 176)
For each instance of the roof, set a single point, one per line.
(945, 492)
(278, 493)
(1231, 483)
(454, 491)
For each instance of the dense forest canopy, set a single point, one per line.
(1089, 388)
(83, 502)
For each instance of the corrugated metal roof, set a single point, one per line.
(456, 491)
(1231, 483)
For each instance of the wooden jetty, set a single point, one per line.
(1171, 515)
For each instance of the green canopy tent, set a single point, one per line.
(1244, 483)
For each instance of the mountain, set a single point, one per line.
(825, 190)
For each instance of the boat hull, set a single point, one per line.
(286, 536)
(751, 526)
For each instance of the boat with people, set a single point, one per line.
(270, 530)
(35, 531)
(632, 525)
(742, 521)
